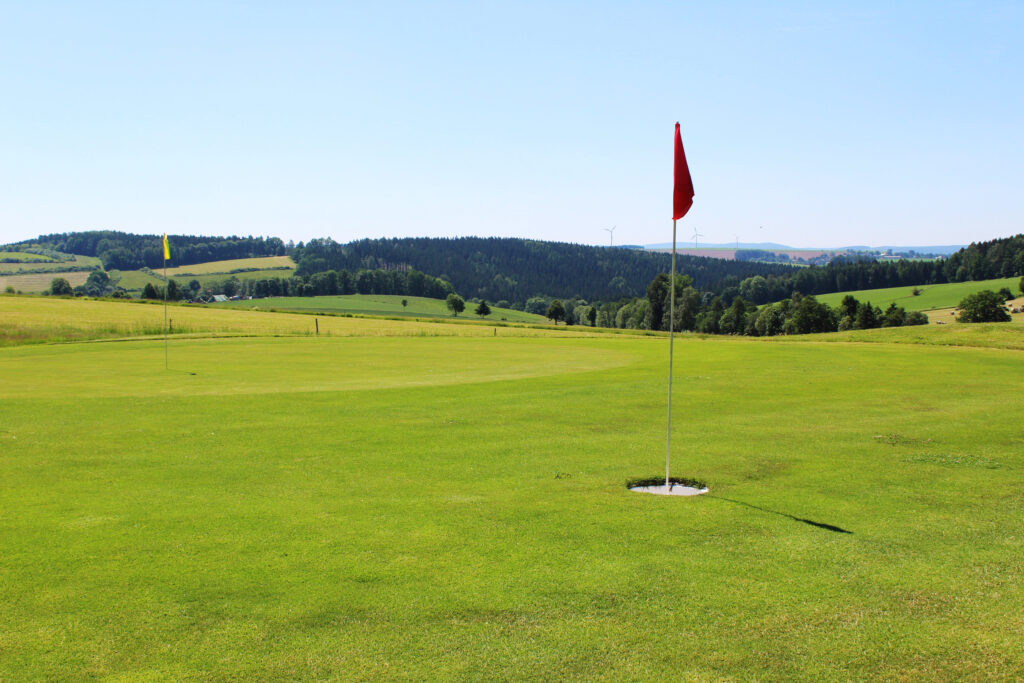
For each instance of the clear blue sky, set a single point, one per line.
(826, 123)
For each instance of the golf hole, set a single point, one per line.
(676, 486)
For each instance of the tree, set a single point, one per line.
(556, 311)
(1020, 286)
(173, 291)
(915, 318)
(97, 283)
(867, 317)
(592, 316)
(149, 292)
(483, 310)
(60, 287)
(536, 305)
(455, 303)
(405, 302)
(983, 307)
(1005, 293)
(734, 320)
(657, 295)
(894, 316)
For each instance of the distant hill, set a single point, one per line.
(514, 270)
(127, 251)
(688, 246)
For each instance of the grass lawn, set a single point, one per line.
(380, 304)
(931, 296)
(453, 508)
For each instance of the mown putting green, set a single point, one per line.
(406, 508)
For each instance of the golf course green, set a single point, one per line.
(454, 508)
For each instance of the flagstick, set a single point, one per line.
(671, 334)
(165, 310)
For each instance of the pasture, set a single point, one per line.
(47, 265)
(403, 506)
(931, 297)
(380, 304)
(40, 282)
(8, 257)
(275, 263)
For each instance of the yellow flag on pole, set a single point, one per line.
(167, 249)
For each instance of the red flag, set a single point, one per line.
(682, 191)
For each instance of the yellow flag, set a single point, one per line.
(167, 249)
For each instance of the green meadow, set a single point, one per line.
(408, 506)
(6, 257)
(929, 298)
(270, 263)
(35, 262)
(379, 304)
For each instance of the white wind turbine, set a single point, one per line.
(611, 234)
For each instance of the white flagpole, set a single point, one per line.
(671, 335)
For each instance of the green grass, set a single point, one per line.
(24, 257)
(31, 283)
(134, 280)
(931, 296)
(56, 267)
(380, 304)
(425, 508)
(277, 264)
(207, 280)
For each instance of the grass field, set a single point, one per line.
(416, 507)
(55, 266)
(379, 304)
(931, 296)
(215, 267)
(33, 320)
(24, 257)
(40, 282)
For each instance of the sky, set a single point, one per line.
(805, 123)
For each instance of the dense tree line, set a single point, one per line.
(980, 261)
(125, 251)
(514, 270)
(709, 314)
(329, 282)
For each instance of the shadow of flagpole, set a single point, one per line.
(820, 525)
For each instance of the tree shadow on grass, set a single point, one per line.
(820, 525)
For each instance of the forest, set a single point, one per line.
(514, 270)
(125, 251)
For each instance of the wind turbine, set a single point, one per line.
(611, 234)
(695, 236)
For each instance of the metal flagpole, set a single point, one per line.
(671, 335)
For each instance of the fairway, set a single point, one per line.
(454, 508)
(378, 304)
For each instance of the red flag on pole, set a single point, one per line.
(682, 192)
